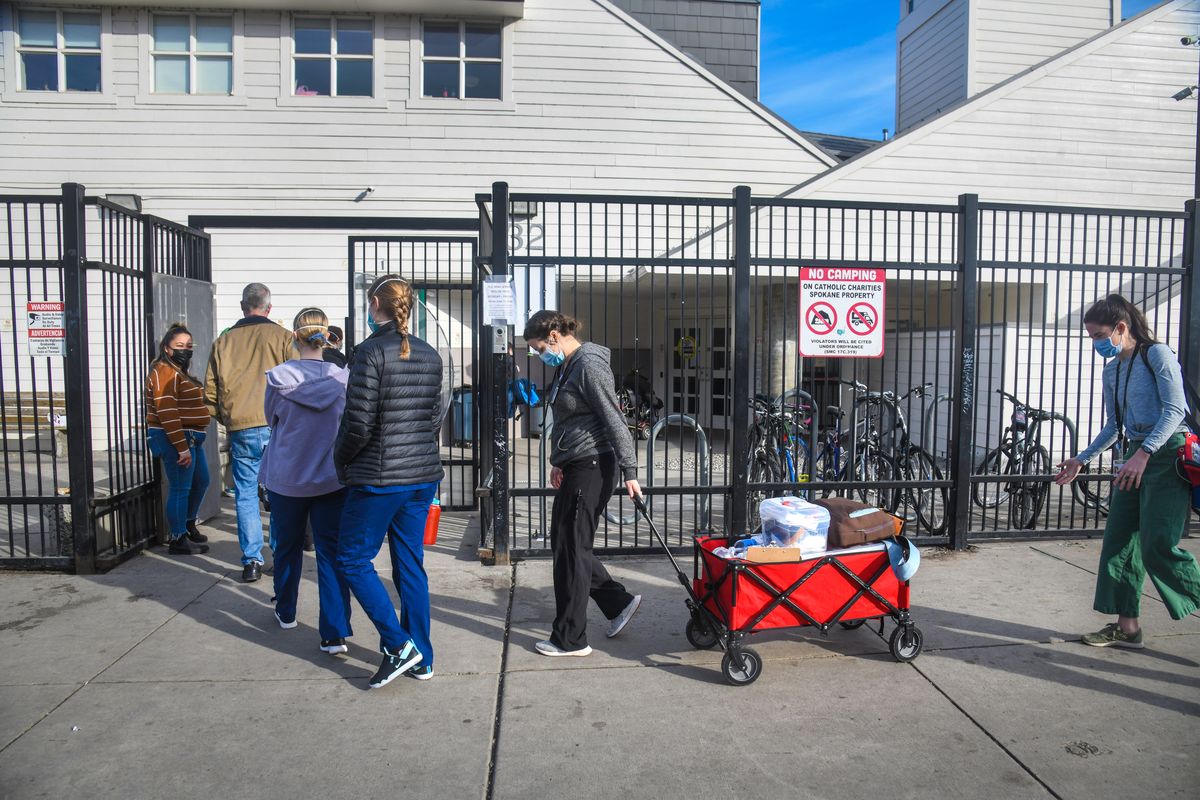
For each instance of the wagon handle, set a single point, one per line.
(640, 503)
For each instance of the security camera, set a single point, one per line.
(1188, 41)
(370, 189)
(1184, 94)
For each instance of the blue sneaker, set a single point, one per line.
(421, 672)
(396, 663)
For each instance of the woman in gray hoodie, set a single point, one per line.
(303, 404)
(590, 443)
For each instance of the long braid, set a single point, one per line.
(395, 297)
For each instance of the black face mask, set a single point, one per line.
(181, 358)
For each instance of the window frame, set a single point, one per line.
(15, 93)
(287, 58)
(146, 94)
(192, 54)
(417, 99)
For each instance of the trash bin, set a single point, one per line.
(462, 417)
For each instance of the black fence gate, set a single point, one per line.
(698, 300)
(81, 490)
(442, 271)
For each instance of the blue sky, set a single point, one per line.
(830, 65)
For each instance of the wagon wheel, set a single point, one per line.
(744, 673)
(699, 635)
(906, 643)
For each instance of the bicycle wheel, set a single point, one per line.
(762, 470)
(931, 504)
(1027, 498)
(1092, 494)
(994, 492)
(872, 465)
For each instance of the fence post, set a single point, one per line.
(742, 390)
(962, 429)
(498, 389)
(1189, 333)
(76, 376)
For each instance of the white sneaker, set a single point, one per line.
(549, 648)
(285, 625)
(617, 624)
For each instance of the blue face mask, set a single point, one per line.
(1106, 349)
(372, 324)
(551, 358)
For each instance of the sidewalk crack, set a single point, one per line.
(490, 783)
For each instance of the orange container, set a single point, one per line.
(431, 523)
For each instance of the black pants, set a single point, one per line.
(586, 488)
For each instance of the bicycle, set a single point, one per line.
(639, 417)
(914, 462)
(777, 449)
(870, 464)
(1020, 454)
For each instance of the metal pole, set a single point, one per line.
(499, 384)
(742, 390)
(963, 423)
(79, 425)
(1189, 333)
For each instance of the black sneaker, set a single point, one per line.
(308, 543)
(182, 547)
(250, 572)
(194, 534)
(334, 646)
(421, 672)
(396, 663)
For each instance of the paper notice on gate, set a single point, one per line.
(499, 301)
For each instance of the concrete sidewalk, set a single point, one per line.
(170, 678)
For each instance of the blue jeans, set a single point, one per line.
(185, 485)
(246, 452)
(289, 515)
(400, 516)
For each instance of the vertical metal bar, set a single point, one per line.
(1189, 327)
(742, 391)
(498, 387)
(79, 425)
(963, 424)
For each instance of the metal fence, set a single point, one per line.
(81, 490)
(698, 300)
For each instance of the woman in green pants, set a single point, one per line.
(1143, 395)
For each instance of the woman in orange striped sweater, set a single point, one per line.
(176, 423)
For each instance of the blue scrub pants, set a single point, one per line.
(397, 513)
(289, 517)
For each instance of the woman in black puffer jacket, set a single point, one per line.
(387, 453)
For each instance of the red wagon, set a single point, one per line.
(729, 599)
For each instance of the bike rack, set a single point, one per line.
(927, 419)
(685, 421)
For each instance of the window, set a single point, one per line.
(59, 50)
(192, 54)
(333, 57)
(461, 60)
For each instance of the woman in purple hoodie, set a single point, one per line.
(304, 402)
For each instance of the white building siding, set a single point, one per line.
(1096, 127)
(1013, 35)
(931, 65)
(598, 106)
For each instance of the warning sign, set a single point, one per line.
(47, 335)
(841, 308)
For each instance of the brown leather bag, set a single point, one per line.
(852, 523)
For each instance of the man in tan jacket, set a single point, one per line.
(233, 391)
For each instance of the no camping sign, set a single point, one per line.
(841, 312)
